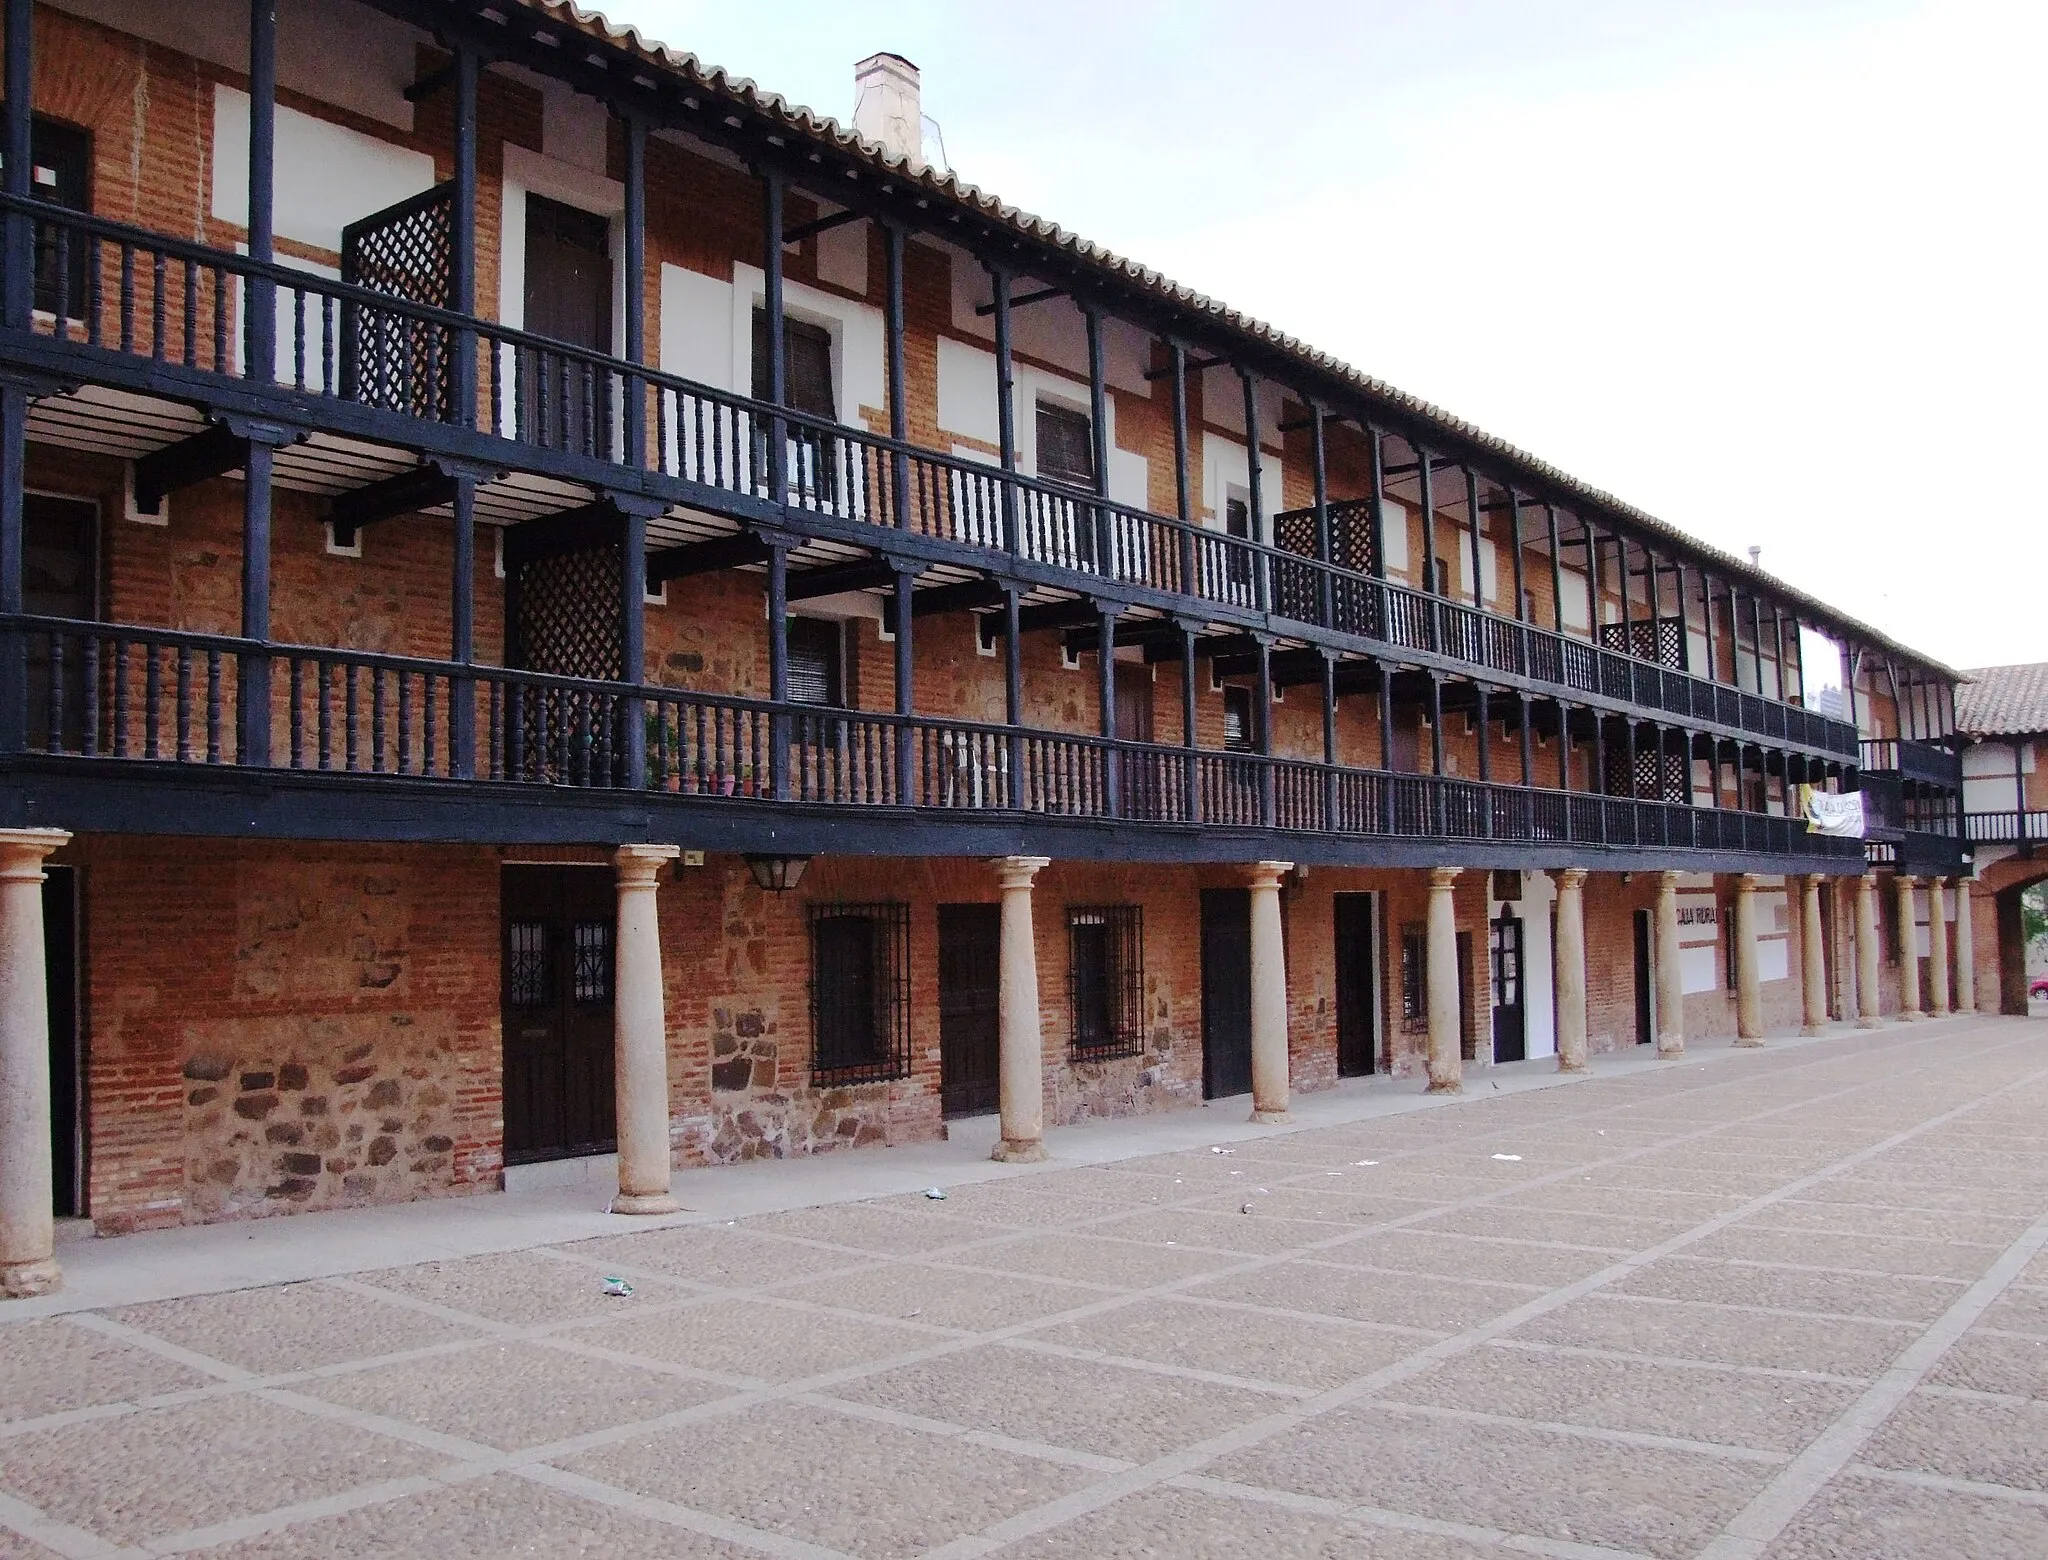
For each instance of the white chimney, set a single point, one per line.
(888, 105)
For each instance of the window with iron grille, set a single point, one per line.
(1066, 446)
(860, 992)
(1106, 980)
(1414, 973)
(591, 976)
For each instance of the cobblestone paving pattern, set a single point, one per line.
(1783, 1305)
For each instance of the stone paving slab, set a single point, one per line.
(1790, 1303)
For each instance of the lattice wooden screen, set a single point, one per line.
(567, 617)
(391, 359)
(1661, 640)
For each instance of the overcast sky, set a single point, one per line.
(1772, 271)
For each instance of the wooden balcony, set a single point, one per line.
(362, 375)
(136, 728)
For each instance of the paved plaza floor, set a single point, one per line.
(1786, 1303)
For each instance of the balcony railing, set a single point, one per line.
(126, 694)
(1921, 762)
(1920, 853)
(173, 303)
(2006, 828)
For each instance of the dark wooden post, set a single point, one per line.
(1013, 693)
(778, 658)
(1319, 450)
(634, 423)
(18, 299)
(1628, 638)
(252, 691)
(1426, 493)
(905, 600)
(1262, 728)
(633, 517)
(1472, 533)
(462, 623)
(1098, 434)
(462, 245)
(1255, 491)
(1482, 718)
(1192, 779)
(19, 293)
(899, 400)
(1386, 701)
(1596, 581)
(1436, 751)
(1556, 571)
(1330, 739)
(1183, 502)
(1105, 685)
(778, 358)
(1528, 738)
(260, 328)
(1707, 613)
(1006, 408)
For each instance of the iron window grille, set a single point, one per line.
(1414, 973)
(1106, 981)
(860, 992)
(591, 977)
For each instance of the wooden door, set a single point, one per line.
(1357, 987)
(1226, 992)
(970, 988)
(1646, 1013)
(557, 1005)
(60, 578)
(1145, 784)
(564, 404)
(1504, 954)
(67, 1048)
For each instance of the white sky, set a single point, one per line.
(1773, 271)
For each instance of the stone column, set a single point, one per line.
(1937, 948)
(1966, 951)
(1670, 978)
(28, 1232)
(1269, 994)
(1446, 1049)
(640, 1034)
(1749, 1002)
(1813, 987)
(1909, 961)
(1569, 963)
(1867, 1003)
(1021, 1048)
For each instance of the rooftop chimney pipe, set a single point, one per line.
(888, 105)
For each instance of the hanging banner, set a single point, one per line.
(1826, 813)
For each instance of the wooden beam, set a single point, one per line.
(569, 531)
(1056, 614)
(963, 597)
(212, 452)
(804, 230)
(863, 574)
(406, 493)
(725, 552)
(1018, 302)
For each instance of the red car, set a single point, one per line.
(2038, 988)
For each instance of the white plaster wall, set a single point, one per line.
(1539, 1017)
(968, 409)
(327, 175)
(1225, 467)
(1988, 777)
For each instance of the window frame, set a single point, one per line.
(1082, 479)
(886, 1054)
(1106, 1013)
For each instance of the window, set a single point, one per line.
(807, 387)
(1239, 734)
(1106, 980)
(806, 365)
(817, 662)
(61, 174)
(591, 979)
(860, 992)
(526, 971)
(1066, 446)
(1414, 973)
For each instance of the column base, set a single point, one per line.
(1564, 1066)
(1270, 1118)
(1867, 1022)
(1027, 1151)
(26, 1280)
(1446, 1086)
(1748, 1043)
(645, 1202)
(1671, 1053)
(1912, 1016)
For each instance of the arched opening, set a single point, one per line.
(2014, 923)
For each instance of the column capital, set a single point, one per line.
(1573, 878)
(640, 865)
(22, 852)
(1907, 879)
(1267, 874)
(1748, 882)
(1668, 877)
(1018, 871)
(1443, 877)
